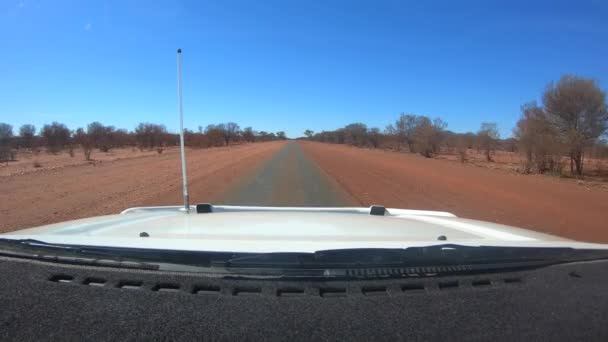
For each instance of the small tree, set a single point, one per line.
(374, 136)
(56, 136)
(355, 134)
(215, 135)
(487, 137)
(101, 135)
(248, 134)
(404, 129)
(538, 140)
(149, 135)
(230, 131)
(6, 134)
(308, 133)
(84, 140)
(461, 149)
(27, 133)
(428, 135)
(576, 106)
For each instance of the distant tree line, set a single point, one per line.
(416, 134)
(57, 137)
(569, 124)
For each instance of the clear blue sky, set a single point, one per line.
(291, 65)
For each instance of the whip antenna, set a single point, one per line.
(181, 130)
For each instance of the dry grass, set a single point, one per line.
(595, 173)
(32, 161)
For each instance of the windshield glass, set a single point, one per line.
(250, 128)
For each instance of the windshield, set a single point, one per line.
(251, 129)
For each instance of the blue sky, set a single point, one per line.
(291, 65)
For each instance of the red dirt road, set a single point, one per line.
(73, 192)
(400, 180)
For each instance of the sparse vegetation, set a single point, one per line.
(56, 137)
(567, 127)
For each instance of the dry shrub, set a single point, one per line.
(87, 152)
(37, 164)
(159, 149)
(7, 154)
(462, 155)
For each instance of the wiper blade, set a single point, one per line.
(40, 250)
(439, 255)
(31, 243)
(336, 257)
(438, 259)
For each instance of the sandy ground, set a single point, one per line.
(28, 162)
(75, 191)
(542, 203)
(595, 170)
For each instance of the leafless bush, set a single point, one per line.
(538, 141)
(461, 148)
(404, 129)
(85, 141)
(150, 135)
(87, 152)
(374, 137)
(487, 137)
(159, 149)
(5, 154)
(428, 136)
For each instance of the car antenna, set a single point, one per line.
(181, 130)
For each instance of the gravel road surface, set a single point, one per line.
(289, 178)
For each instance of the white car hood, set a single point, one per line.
(268, 229)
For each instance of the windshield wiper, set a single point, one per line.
(438, 259)
(40, 250)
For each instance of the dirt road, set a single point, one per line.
(542, 203)
(72, 192)
(289, 178)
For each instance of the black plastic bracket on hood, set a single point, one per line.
(204, 208)
(377, 210)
